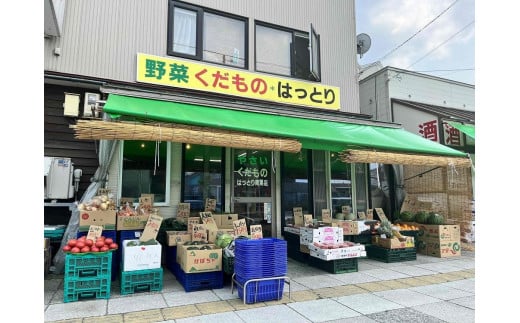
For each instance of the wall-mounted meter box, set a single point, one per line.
(58, 177)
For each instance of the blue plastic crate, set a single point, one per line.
(260, 258)
(170, 256)
(88, 265)
(148, 280)
(260, 291)
(86, 288)
(199, 281)
(128, 235)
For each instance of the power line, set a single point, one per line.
(396, 48)
(444, 42)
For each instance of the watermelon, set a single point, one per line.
(421, 217)
(406, 216)
(435, 218)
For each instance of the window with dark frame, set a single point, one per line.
(207, 35)
(287, 52)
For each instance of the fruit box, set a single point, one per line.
(393, 243)
(133, 222)
(177, 237)
(444, 232)
(199, 261)
(106, 219)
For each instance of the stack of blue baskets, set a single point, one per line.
(260, 258)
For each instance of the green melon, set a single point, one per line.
(435, 218)
(421, 217)
(406, 216)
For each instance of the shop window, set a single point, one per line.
(296, 184)
(203, 169)
(287, 52)
(340, 184)
(145, 170)
(207, 35)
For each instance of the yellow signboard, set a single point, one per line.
(219, 79)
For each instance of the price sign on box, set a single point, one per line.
(325, 216)
(307, 219)
(183, 212)
(240, 227)
(298, 216)
(199, 233)
(151, 228)
(256, 231)
(191, 222)
(94, 232)
(381, 214)
(211, 205)
(208, 220)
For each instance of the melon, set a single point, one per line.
(421, 217)
(435, 218)
(406, 216)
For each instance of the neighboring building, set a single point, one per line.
(434, 108)
(246, 102)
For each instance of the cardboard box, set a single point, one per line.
(443, 249)
(133, 222)
(394, 243)
(106, 219)
(304, 249)
(445, 232)
(199, 261)
(175, 238)
(351, 227)
(141, 257)
(212, 234)
(225, 221)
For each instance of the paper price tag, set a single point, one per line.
(307, 219)
(211, 205)
(94, 232)
(381, 214)
(256, 231)
(240, 227)
(325, 216)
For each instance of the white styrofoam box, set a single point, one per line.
(321, 235)
(337, 255)
(141, 257)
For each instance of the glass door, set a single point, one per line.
(252, 188)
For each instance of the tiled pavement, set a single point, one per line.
(428, 289)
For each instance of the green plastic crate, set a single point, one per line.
(147, 280)
(390, 255)
(92, 264)
(337, 266)
(86, 288)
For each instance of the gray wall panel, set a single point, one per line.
(101, 37)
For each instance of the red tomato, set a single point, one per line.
(103, 249)
(94, 249)
(74, 250)
(113, 245)
(80, 244)
(82, 238)
(99, 244)
(72, 242)
(89, 242)
(67, 248)
(85, 249)
(108, 241)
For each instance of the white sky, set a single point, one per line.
(438, 49)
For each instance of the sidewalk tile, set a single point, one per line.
(328, 292)
(238, 304)
(214, 307)
(350, 290)
(173, 313)
(394, 284)
(115, 318)
(367, 303)
(144, 316)
(323, 310)
(303, 295)
(373, 287)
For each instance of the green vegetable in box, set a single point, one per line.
(406, 216)
(223, 240)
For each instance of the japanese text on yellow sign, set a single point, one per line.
(195, 76)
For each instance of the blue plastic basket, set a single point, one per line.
(260, 291)
(260, 258)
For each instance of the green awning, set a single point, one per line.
(468, 129)
(313, 134)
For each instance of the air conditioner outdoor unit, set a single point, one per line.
(58, 178)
